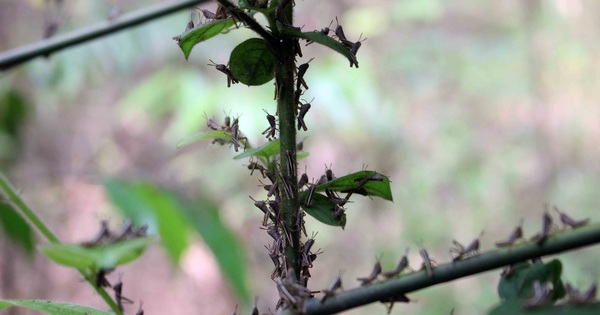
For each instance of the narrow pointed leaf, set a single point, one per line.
(322, 209)
(205, 219)
(201, 33)
(252, 62)
(148, 204)
(54, 308)
(267, 150)
(379, 188)
(322, 39)
(101, 256)
(215, 134)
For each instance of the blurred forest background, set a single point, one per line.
(479, 111)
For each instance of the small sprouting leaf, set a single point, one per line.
(520, 282)
(302, 155)
(267, 150)
(252, 62)
(215, 134)
(101, 256)
(54, 308)
(322, 39)
(201, 33)
(363, 182)
(16, 227)
(322, 209)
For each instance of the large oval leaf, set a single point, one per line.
(54, 308)
(252, 62)
(201, 33)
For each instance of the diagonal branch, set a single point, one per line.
(560, 242)
(45, 47)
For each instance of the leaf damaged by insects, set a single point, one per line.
(322, 209)
(192, 37)
(363, 182)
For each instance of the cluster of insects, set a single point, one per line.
(460, 252)
(221, 14)
(232, 126)
(105, 237)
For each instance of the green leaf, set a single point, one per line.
(175, 216)
(215, 134)
(519, 283)
(513, 307)
(201, 33)
(252, 62)
(54, 308)
(302, 155)
(94, 258)
(267, 150)
(16, 227)
(322, 209)
(144, 202)
(322, 39)
(378, 188)
(204, 218)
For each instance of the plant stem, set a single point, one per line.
(560, 242)
(9, 191)
(48, 46)
(11, 194)
(285, 67)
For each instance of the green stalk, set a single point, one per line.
(10, 193)
(48, 46)
(560, 242)
(286, 107)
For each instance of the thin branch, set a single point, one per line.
(48, 46)
(560, 242)
(247, 20)
(13, 197)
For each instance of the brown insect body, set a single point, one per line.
(303, 110)
(402, 264)
(427, 262)
(540, 296)
(513, 237)
(373, 276)
(223, 68)
(568, 221)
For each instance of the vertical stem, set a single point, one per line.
(284, 74)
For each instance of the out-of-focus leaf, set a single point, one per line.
(322, 39)
(519, 284)
(215, 134)
(175, 215)
(513, 307)
(205, 218)
(101, 256)
(322, 209)
(302, 155)
(201, 33)
(144, 202)
(16, 227)
(379, 188)
(252, 62)
(54, 308)
(267, 150)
